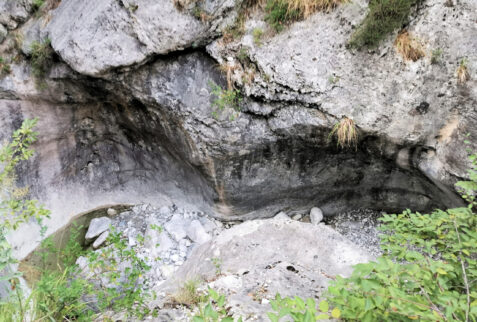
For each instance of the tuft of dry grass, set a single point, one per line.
(345, 132)
(408, 46)
(189, 294)
(309, 7)
(462, 72)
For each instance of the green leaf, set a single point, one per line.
(324, 306)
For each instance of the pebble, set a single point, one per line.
(297, 217)
(197, 233)
(281, 216)
(316, 215)
(111, 212)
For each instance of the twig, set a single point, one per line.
(466, 283)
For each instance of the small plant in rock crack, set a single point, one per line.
(257, 36)
(41, 57)
(214, 309)
(4, 67)
(120, 288)
(37, 4)
(301, 310)
(462, 72)
(225, 99)
(333, 79)
(217, 262)
(436, 56)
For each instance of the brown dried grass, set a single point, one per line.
(408, 46)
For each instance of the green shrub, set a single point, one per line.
(4, 67)
(301, 310)
(225, 98)
(384, 17)
(213, 309)
(37, 4)
(428, 271)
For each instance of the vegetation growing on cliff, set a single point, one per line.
(428, 271)
(225, 99)
(282, 12)
(384, 17)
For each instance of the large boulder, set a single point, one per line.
(253, 261)
(96, 36)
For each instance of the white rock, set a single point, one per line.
(175, 257)
(97, 226)
(197, 233)
(316, 215)
(101, 239)
(297, 217)
(177, 227)
(112, 212)
(167, 271)
(281, 216)
(230, 282)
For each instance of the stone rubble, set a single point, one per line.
(248, 262)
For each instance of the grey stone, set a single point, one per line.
(97, 226)
(197, 233)
(154, 27)
(208, 224)
(177, 227)
(316, 215)
(13, 12)
(101, 239)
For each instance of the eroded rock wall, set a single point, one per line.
(125, 110)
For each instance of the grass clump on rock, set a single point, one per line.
(408, 46)
(384, 17)
(282, 12)
(41, 57)
(462, 72)
(345, 132)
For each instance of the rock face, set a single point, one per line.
(94, 37)
(259, 258)
(126, 113)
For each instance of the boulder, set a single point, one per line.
(197, 233)
(262, 257)
(96, 36)
(177, 227)
(97, 226)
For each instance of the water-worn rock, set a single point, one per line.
(94, 37)
(97, 226)
(316, 215)
(197, 233)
